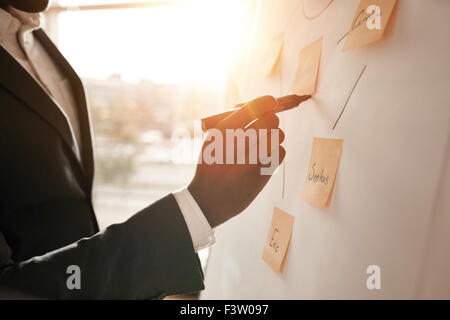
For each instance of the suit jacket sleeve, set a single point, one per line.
(149, 256)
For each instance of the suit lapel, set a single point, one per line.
(26, 88)
(80, 98)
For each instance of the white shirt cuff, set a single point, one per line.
(201, 232)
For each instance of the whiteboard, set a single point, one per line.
(391, 205)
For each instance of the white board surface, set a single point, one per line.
(391, 200)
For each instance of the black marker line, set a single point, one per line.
(285, 143)
(318, 14)
(353, 26)
(284, 178)
(343, 37)
(284, 162)
(348, 98)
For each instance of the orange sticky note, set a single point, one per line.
(278, 240)
(323, 166)
(307, 69)
(369, 23)
(273, 54)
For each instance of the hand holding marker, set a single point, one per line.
(283, 104)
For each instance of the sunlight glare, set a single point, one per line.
(192, 41)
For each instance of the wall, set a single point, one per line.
(390, 205)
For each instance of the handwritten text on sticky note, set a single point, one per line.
(323, 166)
(369, 23)
(272, 57)
(307, 69)
(278, 239)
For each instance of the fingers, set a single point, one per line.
(249, 112)
(253, 146)
(282, 154)
(212, 121)
(281, 137)
(268, 121)
(267, 150)
(265, 171)
(291, 101)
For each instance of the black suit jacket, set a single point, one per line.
(47, 221)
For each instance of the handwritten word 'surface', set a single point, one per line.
(317, 177)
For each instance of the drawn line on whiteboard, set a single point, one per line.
(285, 143)
(318, 14)
(349, 96)
(343, 37)
(355, 25)
(284, 170)
(284, 176)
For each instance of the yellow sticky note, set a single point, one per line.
(323, 166)
(369, 23)
(273, 54)
(307, 69)
(278, 239)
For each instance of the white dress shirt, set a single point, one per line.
(16, 36)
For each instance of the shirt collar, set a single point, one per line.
(31, 21)
(13, 20)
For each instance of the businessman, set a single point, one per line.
(47, 222)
